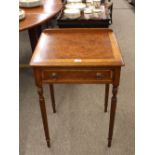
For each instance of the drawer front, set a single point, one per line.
(77, 76)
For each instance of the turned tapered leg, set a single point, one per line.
(52, 97)
(112, 114)
(44, 115)
(106, 97)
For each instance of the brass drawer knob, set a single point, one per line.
(99, 75)
(54, 75)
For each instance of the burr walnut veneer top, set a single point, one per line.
(77, 47)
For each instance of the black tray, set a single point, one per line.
(81, 22)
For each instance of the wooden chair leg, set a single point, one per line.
(44, 115)
(112, 114)
(52, 97)
(106, 97)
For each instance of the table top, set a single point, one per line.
(38, 15)
(77, 47)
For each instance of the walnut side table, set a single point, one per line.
(87, 56)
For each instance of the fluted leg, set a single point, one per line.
(106, 97)
(52, 97)
(44, 115)
(112, 114)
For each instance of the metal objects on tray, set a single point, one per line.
(74, 1)
(79, 6)
(94, 14)
(91, 9)
(72, 13)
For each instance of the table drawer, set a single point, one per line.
(79, 76)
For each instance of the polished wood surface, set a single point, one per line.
(116, 81)
(52, 97)
(98, 61)
(88, 47)
(38, 15)
(77, 75)
(42, 107)
(106, 97)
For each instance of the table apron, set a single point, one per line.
(87, 76)
(77, 82)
